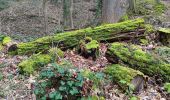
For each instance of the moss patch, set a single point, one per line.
(92, 45)
(125, 76)
(88, 48)
(136, 58)
(34, 62)
(6, 40)
(165, 30)
(119, 73)
(56, 54)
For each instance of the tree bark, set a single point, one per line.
(45, 16)
(108, 11)
(108, 32)
(132, 5)
(67, 14)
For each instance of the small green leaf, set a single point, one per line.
(123, 81)
(70, 83)
(44, 84)
(74, 91)
(43, 98)
(133, 98)
(62, 83)
(58, 96)
(52, 95)
(36, 91)
(167, 87)
(1, 76)
(62, 88)
(79, 77)
(79, 84)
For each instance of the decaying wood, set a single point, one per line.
(134, 57)
(108, 32)
(125, 77)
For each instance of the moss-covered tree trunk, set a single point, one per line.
(125, 76)
(118, 31)
(135, 58)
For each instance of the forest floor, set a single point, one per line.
(16, 86)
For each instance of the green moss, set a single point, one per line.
(6, 40)
(164, 30)
(149, 29)
(92, 45)
(144, 41)
(34, 62)
(136, 58)
(71, 39)
(119, 73)
(124, 18)
(56, 53)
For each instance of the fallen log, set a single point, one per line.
(5, 43)
(126, 77)
(135, 58)
(164, 36)
(118, 31)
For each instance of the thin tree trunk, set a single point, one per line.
(67, 14)
(108, 11)
(45, 16)
(71, 15)
(132, 5)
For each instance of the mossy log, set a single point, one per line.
(164, 35)
(124, 30)
(5, 42)
(125, 76)
(88, 48)
(136, 58)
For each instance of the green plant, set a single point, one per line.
(57, 83)
(167, 87)
(133, 98)
(129, 91)
(97, 77)
(1, 76)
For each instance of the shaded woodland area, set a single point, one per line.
(84, 49)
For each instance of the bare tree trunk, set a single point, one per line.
(132, 5)
(111, 11)
(108, 11)
(45, 16)
(71, 15)
(67, 14)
